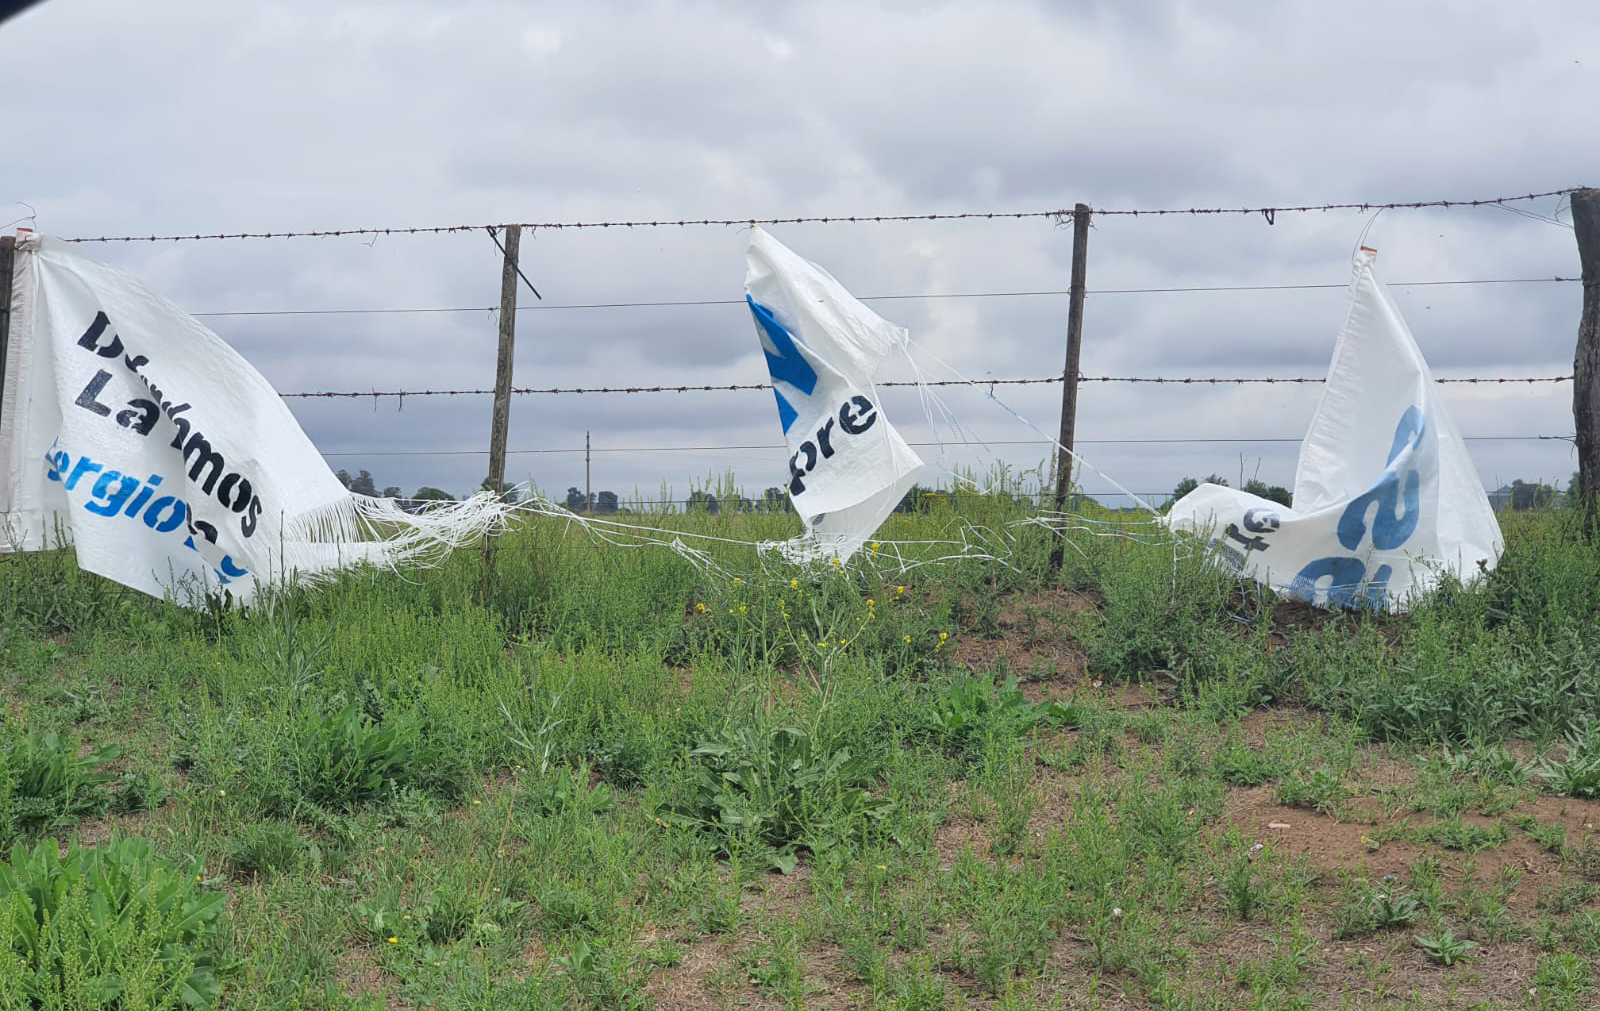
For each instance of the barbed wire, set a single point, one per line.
(1058, 215)
(1270, 212)
(733, 387)
(742, 505)
(868, 298)
(1130, 441)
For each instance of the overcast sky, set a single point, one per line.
(180, 117)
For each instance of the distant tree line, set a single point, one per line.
(1523, 496)
(1518, 496)
(363, 484)
(772, 500)
(1271, 492)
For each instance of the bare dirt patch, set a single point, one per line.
(94, 831)
(785, 895)
(705, 978)
(958, 834)
(1035, 642)
(358, 974)
(1391, 961)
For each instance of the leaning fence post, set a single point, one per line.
(502, 387)
(1586, 359)
(1069, 374)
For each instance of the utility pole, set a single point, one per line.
(1069, 374)
(588, 496)
(1586, 359)
(501, 417)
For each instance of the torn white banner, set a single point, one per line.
(134, 434)
(848, 467)
(1386, 499)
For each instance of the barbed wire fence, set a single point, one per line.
(1078, 216)
(1058, 216)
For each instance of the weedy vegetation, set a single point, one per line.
(622, 782)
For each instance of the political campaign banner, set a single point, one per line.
(848, 467)
(1386, 501)
(137, 437)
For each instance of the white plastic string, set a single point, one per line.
(974, 543)
(637, 535)
(1035, 428)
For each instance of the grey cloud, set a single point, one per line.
(181, 117)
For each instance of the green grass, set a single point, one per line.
(620, 782)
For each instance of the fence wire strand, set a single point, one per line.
(736, 387)
(1060, 215)
(775, 447)
(689, 302)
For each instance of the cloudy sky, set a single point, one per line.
(181, 116)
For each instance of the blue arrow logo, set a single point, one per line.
(788, 365)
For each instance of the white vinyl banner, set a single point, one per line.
(135, 435)
(1386, 499)
(848, 467)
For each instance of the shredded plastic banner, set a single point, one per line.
(135, 435)
(848, 467)
(1386, 499)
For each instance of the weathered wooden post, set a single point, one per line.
(1586, 360)
(501, 417)
(1069, 375)
(8, 252)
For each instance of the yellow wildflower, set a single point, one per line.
(907, 639)
(700, 608)
(794, 584)
(393, 939)
(744, 608)
(871, 602)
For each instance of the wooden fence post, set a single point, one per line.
(8, 250)
(501, 417)
(1069, 374)
(1586, 359)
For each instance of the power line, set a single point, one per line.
(1059, 215)
(866, 298)
(732, 387)
(1250, 440)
